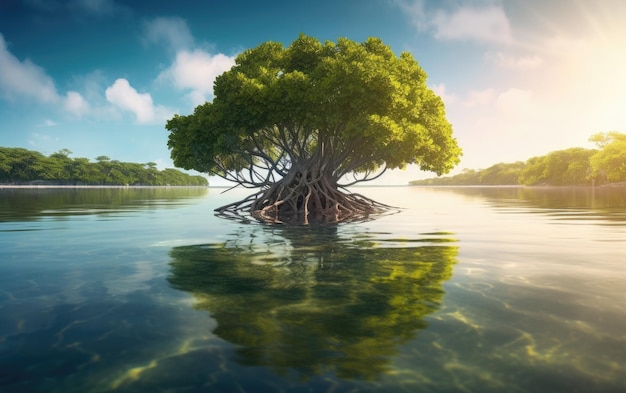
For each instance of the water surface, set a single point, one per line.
(464, 290)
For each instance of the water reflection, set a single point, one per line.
(607, 204)
(24, 204)
(316, 301)
(535, 304)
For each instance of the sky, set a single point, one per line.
(519, 78)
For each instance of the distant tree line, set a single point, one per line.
(570, 167)
(22, 166)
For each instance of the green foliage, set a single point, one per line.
(20, 166)
(609, 164)
(342, 108)
(559, 168)
(23, 164)
(604, 138)
(570, 167)
(498, 174)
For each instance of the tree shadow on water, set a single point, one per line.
(314, 301)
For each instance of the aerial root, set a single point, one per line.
(304, 203)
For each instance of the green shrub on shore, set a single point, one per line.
(23, 166)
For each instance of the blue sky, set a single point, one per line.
(100, 77)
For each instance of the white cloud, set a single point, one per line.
(38, 140)
(441, 91)
(49, 123)
(501, 112)
(27, 80)
(516, 62)
(75, 103)
(415, 11)
(193, 70)
(479, 97)
(488, 24)
(517, 102)
(197, 97)
(514, 124)
(24, 78)
(173, 31)
(124, 96)
(484, 24)
(196, 71)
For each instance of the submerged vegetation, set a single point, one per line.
(22, 166)
(570, 167)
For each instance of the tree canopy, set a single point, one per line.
(569, 167)
(558, 168)
(609, 164)
(302, 121)
(19, 166)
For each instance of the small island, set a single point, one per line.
(23, 167)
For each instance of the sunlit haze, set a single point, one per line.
(519, 78)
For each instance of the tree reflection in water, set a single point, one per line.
(314, 301)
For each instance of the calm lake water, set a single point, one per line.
(464, 290)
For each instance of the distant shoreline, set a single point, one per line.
(607, 185)
(88, 186)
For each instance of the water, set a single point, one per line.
(464, 290)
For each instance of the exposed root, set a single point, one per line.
(304, 201)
